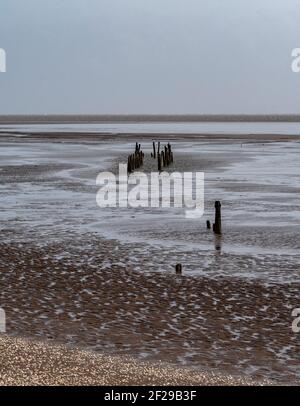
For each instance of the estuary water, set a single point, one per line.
(167, 128)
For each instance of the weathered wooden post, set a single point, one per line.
(158, 147)
(128, 164)
(159, 162)
(208, 225)
(217, 227)
(178, 269)
(154, 150)
(163, 158)
(166, 155)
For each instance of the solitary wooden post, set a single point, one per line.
(154, 151)
(159, 162)
(217, 227)
(208, 224)
(158, 147)
(178, 269)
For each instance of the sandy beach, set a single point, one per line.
(103, 280)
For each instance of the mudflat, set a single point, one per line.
(103, 279)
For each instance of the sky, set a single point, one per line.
(149, 56)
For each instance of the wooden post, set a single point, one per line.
(208, 225)
(178, 269)
(163, 158)
(154, 151)
(217, 227)
(128, 164)
(158, 147)
(159, 162)
(166, 156)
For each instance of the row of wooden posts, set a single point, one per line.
(136, 159)
(217, 229)
(164, 157)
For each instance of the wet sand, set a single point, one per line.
(108, 284)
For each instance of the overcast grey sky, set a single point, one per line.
(149, 56)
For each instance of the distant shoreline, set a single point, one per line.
(147, 118)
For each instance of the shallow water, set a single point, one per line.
(258, 185)
(182, 128)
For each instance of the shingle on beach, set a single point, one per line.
(28, 362)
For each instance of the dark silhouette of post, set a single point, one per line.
(159, 162)
(208, 224)
(128, 164)
(178, 269)
(163, 158)
(217, 227)
(154, 151)
(166, 156)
